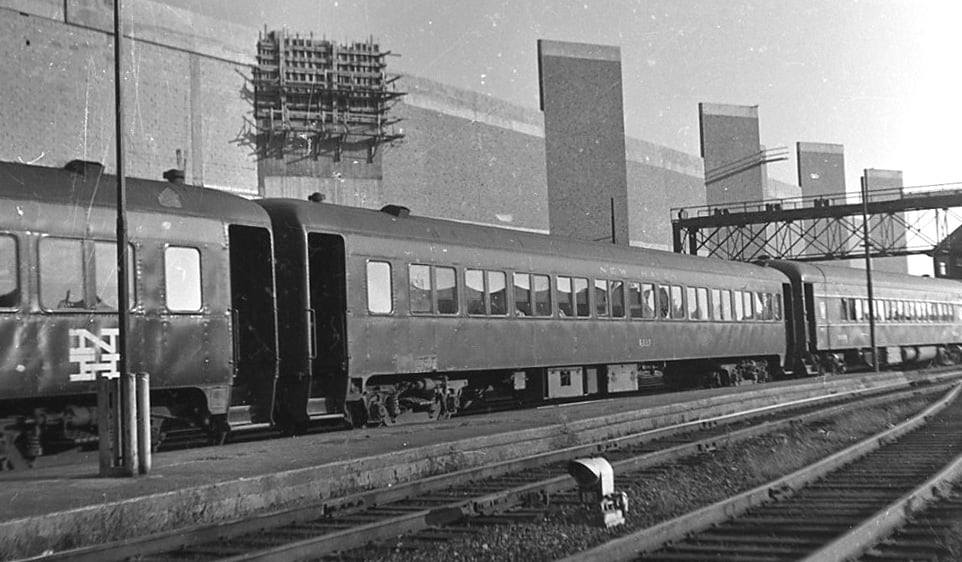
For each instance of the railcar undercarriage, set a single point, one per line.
(387, 399)
(33, 430)
(842, 361)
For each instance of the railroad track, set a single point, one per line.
(836, 509)
(435, 505)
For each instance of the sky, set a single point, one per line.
(881, 77)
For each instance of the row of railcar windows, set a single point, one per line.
(851, 309)
(434, 290)
(82, 275)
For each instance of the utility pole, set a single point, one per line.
(868, 270)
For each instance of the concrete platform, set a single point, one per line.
(58, 507)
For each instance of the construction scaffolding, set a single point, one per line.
(315, 96)
(901, 221)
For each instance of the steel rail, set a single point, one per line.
(891, 517)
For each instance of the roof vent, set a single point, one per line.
(396, 211)
(84, 167)
(174, 175)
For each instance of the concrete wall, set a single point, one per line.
(895, 235)
(581, 96)
(659, 180)
(729, 133)
(821, 168)
(821, 171)
(58, 102)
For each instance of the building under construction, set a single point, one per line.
(321, 99)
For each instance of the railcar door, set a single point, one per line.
(791, 339)
(254, 324)
(810, 317)
(328, 309)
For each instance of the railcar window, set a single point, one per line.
(380, 297)
(61, 274)
(747, 301)
(634, 300)
(703, 310)
(601, 298)
(105, 272)
(498, 292)
(617, 299)
(541, 284)
(777, 306)
(763, 306)
(446, 281)
(664, 303)
(565, 296)
(649, 297)
(726, 305)
(843, 310)
(182, 279)
(419, 288)
(739, 305)
(522, 294)
(677, 302)
(581, 297)
(716, 304)
(474, 291)
(692, 303)
(822, 310)
(9, 272)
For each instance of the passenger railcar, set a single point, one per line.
(202, 320)
(917, 319)
(382, 311)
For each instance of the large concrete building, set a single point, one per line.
(464, 156)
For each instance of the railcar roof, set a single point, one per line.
(352, 220)
(822, 273)
(57, 186)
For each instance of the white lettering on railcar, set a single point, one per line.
(94, 354)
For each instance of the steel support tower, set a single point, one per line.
(903, 221)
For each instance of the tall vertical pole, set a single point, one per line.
(613, 239)
(123, 305)
(868, 270)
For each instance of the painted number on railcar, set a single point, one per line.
(94, 354)
(644, 342)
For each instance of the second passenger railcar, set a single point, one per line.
(387, 311)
